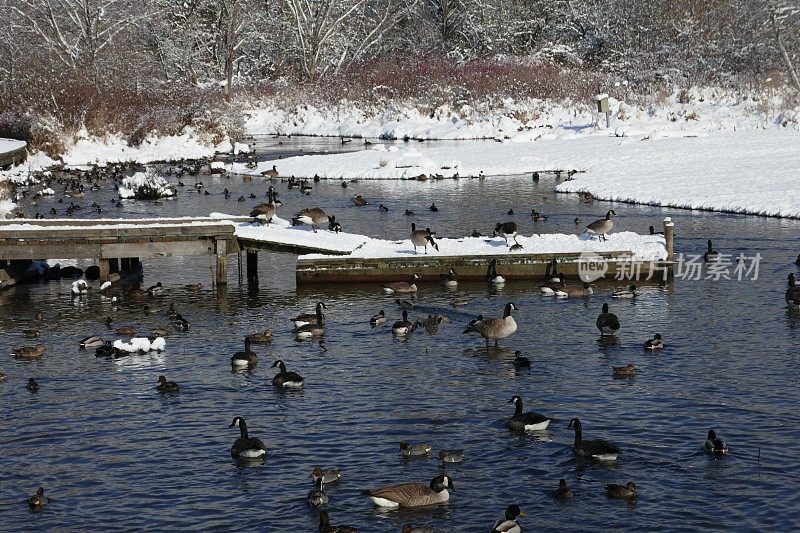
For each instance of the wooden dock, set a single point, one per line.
(14, 156)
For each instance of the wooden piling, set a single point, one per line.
(105, 269)
(252, 267)
(221, 251)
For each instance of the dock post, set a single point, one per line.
(669, 237)
(221, 250)
(105, 269)
(113, 265)
(125, 264)
(252, 267)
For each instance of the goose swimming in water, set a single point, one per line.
(413, 494)
(491, 274)
(287, 380)
(602, 226)
(792, 295)
(494, 329)
(520, 361)
(509, 524)
(326, 527)
(317, 497)
(711, 254)
(403, 327)
(246, 447)
(450, 279)
(597, 449)
(359, 200)
(607, 322)
(715, 445)
(317, 317)
(529, 421)
(246, 358)
(402, 287)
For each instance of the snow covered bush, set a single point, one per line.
(145, 186)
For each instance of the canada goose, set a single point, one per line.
(246, 447)
(420, 237)
(520, 361)
(262, 337)
(491, 274)
(627, 371)
(655, 343)
(715, 445)
(495, 328)
(125, 330)
(451, 456)
(433, 208)
(563, 492)
(167, 386)
(583, 291)
(38, 500)
(287, 380)
(106, 350)
(378, 320)
(314, 217)
(602, 226)
(597, 449)
(711, 254)
(383, 209)
(403, 327)
(245, 358)
(156, 290)
(654, 232)
(413, 494)
(316, 496)
(535, 176)
(792, 295)
(307, 331)
(326, 527)
(509, 524)
(180, 323)
(797, 261)
(402, 287)
(506, 230)
(476, 233)
(510, 212)
(450, 279)
(554, 288)
(413, 450)
(29, 352)
(607, 323)
(404, 304)
(359, 200)
(621, 492)
(272, 173)
(409, 213)
(32, 385)
(264, 212)
(92, 341)
(628, 292)
(328, 476)
(311, 318)
(526, 421)
(515, 247)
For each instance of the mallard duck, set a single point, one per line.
(246, 447)
(125, 330)
(38, 500)
(627, 371)
(602, 226)
(316, 496)
(597, 449)
(30, 333)
(156, 290)
(530, 421)
(32, 385)
(656, 343)
(29, 352)
(3, 376)
(451, 456)
(621, 492)
(326, 527)
(378, 320)
(261, 337)
(316, 317)
(413, 450)
(167, 386)
(607, 322)
(245, 358)
(402, 287)
(450, 279)
(287, 380)
(194, 287)
(627, 292)
(180, 323)
(509, 524)
(403, 327)
(413, 494)
(711, 254)
(563, 492)
(714, 445)
(495, 328)
(330, 475)
(92, 341)
(359, 200)
(520, 361)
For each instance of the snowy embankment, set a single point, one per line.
(752, 172)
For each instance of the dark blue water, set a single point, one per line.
(113, 454)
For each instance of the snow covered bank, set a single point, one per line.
(145, 186)
(700, 109)
(282, 232)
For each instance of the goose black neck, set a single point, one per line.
(578, 433)
(243, 429)
(507, 312)
(518, 407)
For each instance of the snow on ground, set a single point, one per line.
(643, 247)
(282, 232)
(752, 172)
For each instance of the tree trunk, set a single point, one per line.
(777, 27)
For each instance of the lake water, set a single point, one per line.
(113, 454)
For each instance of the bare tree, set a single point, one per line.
(777, 16)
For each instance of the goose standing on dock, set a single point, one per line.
(792, 295)
(402, 287)
(287, 380)
(495, 329)
(506, 230)
(607, 322)
(711, 255)
(597, 449)
(413, 494)
(264, 212)
(509, 524)
(311, 318)
(529, 421)
(422, 237)
(246, 358)
(491, 274)
(314, 217)
(602, 226)
(246, 447)
(715, 445)
(271, 173)
(450, 279)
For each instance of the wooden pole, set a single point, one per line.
(105, 269)
(252, 267)
(669, 237)
(221, 249)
